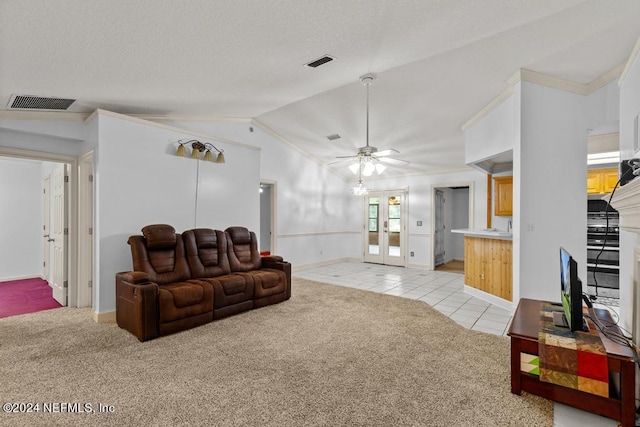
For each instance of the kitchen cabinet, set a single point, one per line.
(601, 181)
(503, 195)
(488, 266)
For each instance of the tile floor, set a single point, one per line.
(443, 291)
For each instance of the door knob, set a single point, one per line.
(46, 235)
(51, 240)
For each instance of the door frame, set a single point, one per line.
(72, 290)
(432, 239)
(405, 221)
(273, 206)
(86, 278)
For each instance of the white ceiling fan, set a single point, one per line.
(368, 159)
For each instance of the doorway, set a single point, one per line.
(452, 208)
(73, 262)
(267, 217)
(385, 227)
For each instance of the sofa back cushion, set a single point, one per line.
(242, 249)
(206, 252)
(160, 253)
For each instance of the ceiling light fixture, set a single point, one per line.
(368, 159)
(197, 148)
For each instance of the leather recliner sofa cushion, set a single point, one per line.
(245, 260)
(207, 256)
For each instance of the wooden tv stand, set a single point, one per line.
(524, 338)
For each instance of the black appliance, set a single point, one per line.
(603, 246)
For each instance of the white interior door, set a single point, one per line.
(385, 228)
(59, 236)
(46, 232)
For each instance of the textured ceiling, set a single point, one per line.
(438, 62)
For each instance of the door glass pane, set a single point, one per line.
(394, 225)
(374, 226)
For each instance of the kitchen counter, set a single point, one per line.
(489, 233)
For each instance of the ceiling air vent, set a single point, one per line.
(28, 102)
(320, 61)
(333, 137)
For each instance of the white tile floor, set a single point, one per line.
(443, 291)
(440, 289)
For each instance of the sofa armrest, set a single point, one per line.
(277, 263)
(134, 277)
(137, 304)
(271, 259)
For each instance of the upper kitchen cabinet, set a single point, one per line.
(503, 195)
(601, 181)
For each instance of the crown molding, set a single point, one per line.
(257, 123)
(553, 82)
(530, 76)
(606, 78)
(634, 54)
(43, 115)
(192, 118)
(506, 94)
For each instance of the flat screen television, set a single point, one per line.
(571, 291)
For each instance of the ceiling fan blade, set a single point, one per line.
(388, 152)
(342, 159)
(391, 161)
(347, 157)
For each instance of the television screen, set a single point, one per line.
(565, 283)
(571, 291)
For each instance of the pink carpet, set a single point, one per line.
(25, 296)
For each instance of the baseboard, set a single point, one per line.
(502, 303)
(106, 317)
(295, 268)
(11, 279)
(426, 267)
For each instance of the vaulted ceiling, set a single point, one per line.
(437, 62)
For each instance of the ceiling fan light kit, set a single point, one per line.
(368, 159)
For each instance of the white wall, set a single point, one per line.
(21, 216)
(548, 128)
(140, 181)
(553, 196)
(421, 194)
(49, 136)
(629, 110)
(318, 220)
(495, 133)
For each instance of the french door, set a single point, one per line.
(385, 227)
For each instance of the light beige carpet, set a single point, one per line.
(329, 356)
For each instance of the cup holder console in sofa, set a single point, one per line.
(182, 281)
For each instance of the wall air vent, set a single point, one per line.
(320, 61)
(333, 137)
(28, 102)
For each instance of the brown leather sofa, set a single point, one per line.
(182, 281)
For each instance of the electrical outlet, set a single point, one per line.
(419, 224)
(411, 253)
